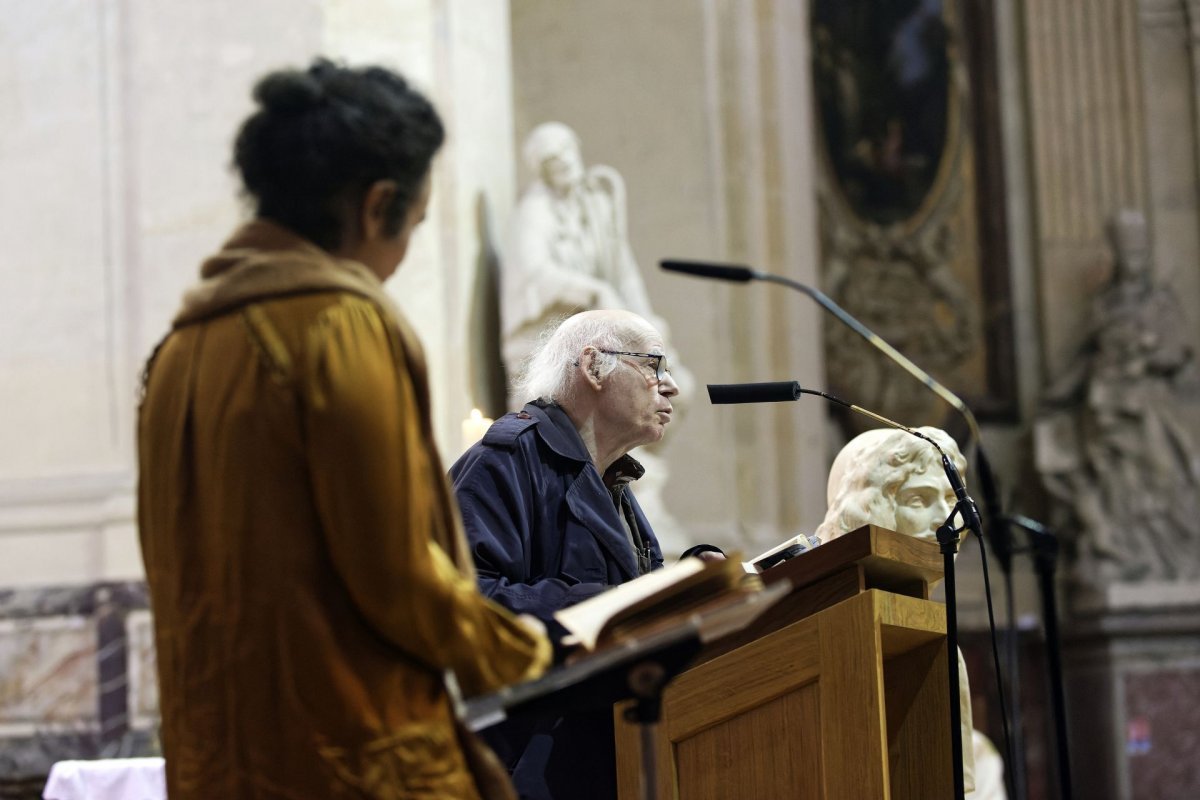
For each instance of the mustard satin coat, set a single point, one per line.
(308, 575)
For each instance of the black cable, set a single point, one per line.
(987, 592)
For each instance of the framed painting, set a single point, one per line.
(912, 204)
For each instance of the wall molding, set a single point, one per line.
(88, 502)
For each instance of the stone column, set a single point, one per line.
(1089, 152)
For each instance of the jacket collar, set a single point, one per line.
(263, 260)
(560, 435)
(557, 431)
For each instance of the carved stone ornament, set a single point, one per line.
(900, 286)
(896, 198)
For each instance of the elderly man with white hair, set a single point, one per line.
(551, 518)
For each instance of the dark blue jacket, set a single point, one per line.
(545, 533)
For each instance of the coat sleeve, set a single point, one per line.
(374, 484)
(498, 491)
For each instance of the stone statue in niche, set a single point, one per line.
(892, 479)
(570, 252)
(1110, 445)
(902, 288)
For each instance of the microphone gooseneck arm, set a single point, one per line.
(737, 273)
(826, 302)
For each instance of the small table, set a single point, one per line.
(107, 779)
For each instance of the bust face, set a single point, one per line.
(886, 478)
(923, 502)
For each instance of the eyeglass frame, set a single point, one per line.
(661, 369)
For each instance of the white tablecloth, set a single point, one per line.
(110, 779)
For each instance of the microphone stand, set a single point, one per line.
(999, 538)
(947, 534)
(948, 539)
(1044, 545)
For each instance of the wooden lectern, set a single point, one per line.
(838, 691)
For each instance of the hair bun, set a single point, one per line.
(289, 92)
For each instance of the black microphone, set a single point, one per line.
(781, 391)
(721, 272)
(965, 504)
(773, 392)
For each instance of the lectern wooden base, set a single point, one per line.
(849, 702)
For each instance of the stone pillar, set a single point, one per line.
(1170, 36)
(1112, 93)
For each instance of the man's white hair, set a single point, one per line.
(548, 373)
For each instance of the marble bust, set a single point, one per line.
(892, 479)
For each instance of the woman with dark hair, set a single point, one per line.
(311, 586)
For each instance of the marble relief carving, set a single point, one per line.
(143, 670)
(48, 674)
(67, 655)
(899, 285)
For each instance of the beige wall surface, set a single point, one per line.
(702, 107)
(115, 183)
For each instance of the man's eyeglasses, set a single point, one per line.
(661, 370)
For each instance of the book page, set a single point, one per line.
(588, 620)
(799, 544)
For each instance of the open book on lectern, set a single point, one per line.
(689, 585)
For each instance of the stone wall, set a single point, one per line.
(114, 168)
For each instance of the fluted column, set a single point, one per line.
(1086, 103)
